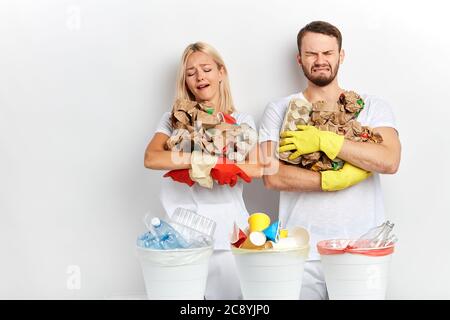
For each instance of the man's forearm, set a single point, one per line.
(292, 178)
(369, 157)
(283, 177)
(382, 158)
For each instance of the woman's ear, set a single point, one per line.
(221, 73)
(341, 56)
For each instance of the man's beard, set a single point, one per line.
(322, 80)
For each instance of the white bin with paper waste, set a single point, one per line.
(178, 274)
(355, 274)
(273, 274)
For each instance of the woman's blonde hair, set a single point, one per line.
(183, 92)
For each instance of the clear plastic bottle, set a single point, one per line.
(169, 238)
(392, 239)
(380, 240)
(375, 237)
(149, 241)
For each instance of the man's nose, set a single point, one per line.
(320, 59)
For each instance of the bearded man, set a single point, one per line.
(341, 204)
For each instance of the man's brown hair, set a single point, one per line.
(319, 27)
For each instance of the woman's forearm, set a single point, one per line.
(167, 160)
(252, 170)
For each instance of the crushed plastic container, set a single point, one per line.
(197, 229)
(194, 221)
(355, 273)
(273, 274)
(178, 274)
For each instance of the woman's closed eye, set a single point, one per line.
(192, 73)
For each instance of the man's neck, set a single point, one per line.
(328, 93)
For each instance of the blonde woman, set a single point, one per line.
(203, 77)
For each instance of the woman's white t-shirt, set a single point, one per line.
(223, 204)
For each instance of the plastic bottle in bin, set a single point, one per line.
(375, 237)
(380, 240)
(149, 241)
(169, 238)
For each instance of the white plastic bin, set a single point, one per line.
(178, 274)
(271, 274)
(360, 274)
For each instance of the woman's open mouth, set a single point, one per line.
(203, 86)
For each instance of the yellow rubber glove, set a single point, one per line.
(346, 177)
(309, 139)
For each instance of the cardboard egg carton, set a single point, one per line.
(297, 113)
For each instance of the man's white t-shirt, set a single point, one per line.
(223, 204)
(345, 214)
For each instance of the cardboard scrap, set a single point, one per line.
(197, 129)
(338, 117)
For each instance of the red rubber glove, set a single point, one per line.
(228, 173)
(228, 118)
(180, 175)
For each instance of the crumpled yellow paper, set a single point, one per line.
(201, 165)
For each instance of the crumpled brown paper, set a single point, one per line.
(339, 117)
(196, 129)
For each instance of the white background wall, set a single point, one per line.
(83, 84)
